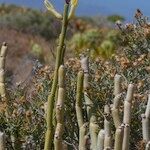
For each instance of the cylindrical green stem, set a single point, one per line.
(117, 84)
(145, 128)
(79, 99)
(126, 137)
(51, 97)
(100, 140)
(94, 129)
(128, 104)
(118, 138)
(116, 102)
(63, 53)
(147, 112)
(147, 146)
(60, 110)
(107, 128)
(2, 71)
(146, 122)
(127, 117)
(93, 126)
(82, 134)
(85, 66)
(2, 141)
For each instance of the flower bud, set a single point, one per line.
(67, 1)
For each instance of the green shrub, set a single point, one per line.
(114, 18)
(98, 42)
(28, 20)
(107, 48)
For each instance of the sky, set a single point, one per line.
(125, 8)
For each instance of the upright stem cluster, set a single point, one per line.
(91, 117)
(51, 97)
(122, 134)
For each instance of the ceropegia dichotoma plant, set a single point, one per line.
(146, 123)
(3, 52)
(2, 141)
(3, 92)
(60, 109)
(65, 17)
(122, 134)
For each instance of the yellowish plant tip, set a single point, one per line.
(74, 4)
(51, 8)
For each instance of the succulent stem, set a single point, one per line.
(51, 97)
(116, 102)
(146, 122)
(60, 110)
(127, 117)
(107, 128)
(79, 99)
(2, 71)
(82, 139)
(100, 140)
(2, 141)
